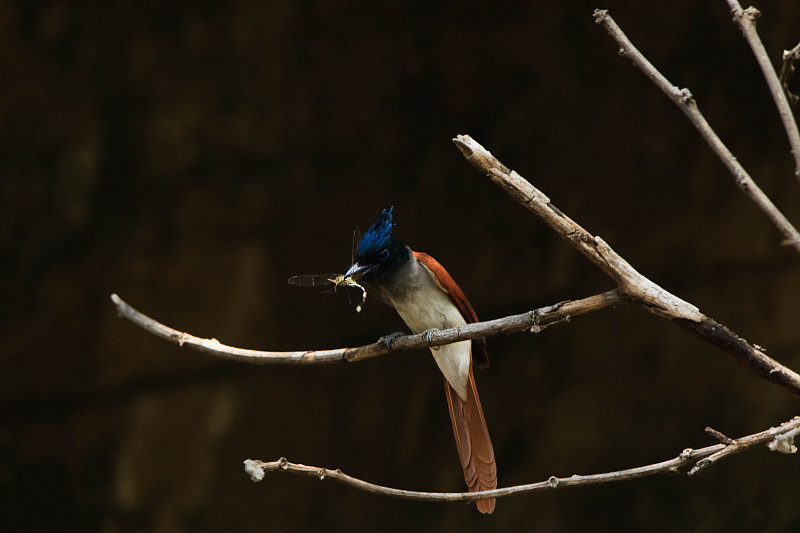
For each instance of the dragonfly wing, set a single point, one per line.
(312, 280)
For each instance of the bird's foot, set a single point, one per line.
(390, 338)
(429, 337)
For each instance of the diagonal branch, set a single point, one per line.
(775, 438)
(746, 19)
(535, 321)
(632, 284)
(684, 100)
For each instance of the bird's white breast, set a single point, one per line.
(423, 304)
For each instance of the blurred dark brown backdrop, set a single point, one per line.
(191, 156)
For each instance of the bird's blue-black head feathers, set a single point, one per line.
(380, 250)
(377, 236)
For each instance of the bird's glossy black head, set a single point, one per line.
(379, 253)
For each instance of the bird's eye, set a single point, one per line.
(384, 255)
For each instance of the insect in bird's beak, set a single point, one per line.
(348, 281)
(322, 280)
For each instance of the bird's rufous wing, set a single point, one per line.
(479, 355)
(469, 426)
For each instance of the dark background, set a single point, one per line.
(191, 156)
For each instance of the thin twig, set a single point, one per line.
(746, 19)
(535, 321)
(723, 438)
(707, 456)
(633, 285)
(786, 432)
(790, 57)
(686, 103)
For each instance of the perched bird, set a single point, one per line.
(426, 297)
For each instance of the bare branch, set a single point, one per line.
(684, 100)
(631, 283)
(746, 19)
(214, 347)
(752, 356)
(535, 321)
(723, 438)
(700, 459)
(790, 57)
(783, 433)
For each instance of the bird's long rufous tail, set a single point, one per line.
(474, 445)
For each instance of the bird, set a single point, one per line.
(426, 297)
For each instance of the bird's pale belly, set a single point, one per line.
(426, 309)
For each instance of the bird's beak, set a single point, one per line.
(356, 271)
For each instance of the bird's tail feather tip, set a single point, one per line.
(486, 506)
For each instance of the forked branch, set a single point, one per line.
(780, 439)
(746, 19)
(686, 103)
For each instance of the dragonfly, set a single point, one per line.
(327, 280)
(337, 280)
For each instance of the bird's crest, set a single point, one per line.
(377, 236)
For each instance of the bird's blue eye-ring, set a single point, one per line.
(384, 255)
